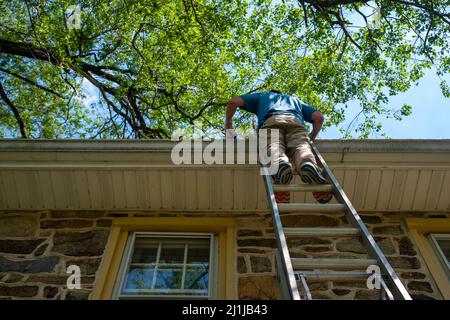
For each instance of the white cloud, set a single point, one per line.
(90, 92)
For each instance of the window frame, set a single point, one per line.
(419, 229)
(433, 238)
(213, 252)
(224, 227)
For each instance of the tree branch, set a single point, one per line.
(22, 128)
(37, 85)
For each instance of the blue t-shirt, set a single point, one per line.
(266, 104)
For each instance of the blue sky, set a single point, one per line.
(430, 118)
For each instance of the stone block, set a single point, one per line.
(251, 250)
(350, 284)
(14, 277)
(293, 242)
(318, 285)
(77, 295)
(44, 264)
(386, 245)
(368, 294)
(316, 249)
(104, 223)
(91, 243)
(249, 233)
(40, 250)
(420, 286)
(252, 223)
(370, 219)
(260, 264)
(263, 242)
(55, 279)
(421, 297)
(350, 245)
(241, 265)
(19, 291)
(259, 288)
(341, 292)
(76, 214)
(50, 292)
(413, 275)
(19, 246)
(387, 230)
(308, 221)
(18, 225)
(66, 224)
(87, 266)
(406, 247)
(404, 262)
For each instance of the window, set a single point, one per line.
(135, 241)
(441, 245)
(168, 265)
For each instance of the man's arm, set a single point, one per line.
(232, 106)
(317, 119)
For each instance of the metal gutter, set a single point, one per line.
(335, 145)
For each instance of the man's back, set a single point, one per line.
(265, 104)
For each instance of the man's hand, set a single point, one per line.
(230, 134)
(232, 105)
(312, 136)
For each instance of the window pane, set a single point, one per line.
(196, 279)
(145, 250)
(172, 251)
(444, 244)
(138, 278)
(198, 252)
(169, 278)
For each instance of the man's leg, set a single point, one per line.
(284, 174)
(300, 151)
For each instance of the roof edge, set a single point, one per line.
(163, 145)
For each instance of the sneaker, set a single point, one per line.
(284, 174)
(282, 196)
(323, 197)
(311, 174)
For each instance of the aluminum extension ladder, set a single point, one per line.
(292, 272)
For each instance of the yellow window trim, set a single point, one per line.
(419, 229)
(121, 227)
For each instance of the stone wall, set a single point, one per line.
(37, 247)
(256, 247)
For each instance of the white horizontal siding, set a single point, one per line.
(219, 189)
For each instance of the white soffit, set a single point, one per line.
(377, 175)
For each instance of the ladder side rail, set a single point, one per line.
(285, 259)
(386, 291)
(374, 251)
(285, 293)
(305, 288)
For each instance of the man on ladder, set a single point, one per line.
(286, 113)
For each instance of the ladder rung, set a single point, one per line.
(311, 207)
(303, 187)
(320, 232)
(334, 275)
(332, 263)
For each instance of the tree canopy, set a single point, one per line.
(159, 65)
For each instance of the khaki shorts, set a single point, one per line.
(292, 143)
